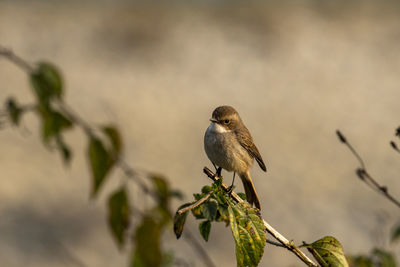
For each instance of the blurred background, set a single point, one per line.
(296, 71)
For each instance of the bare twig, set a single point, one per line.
(285, 243)
(196, 204)
(9, 54)
(191, 240)
(365, 176)
(275, 243)
(394, 146)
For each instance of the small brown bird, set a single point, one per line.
(229, 145)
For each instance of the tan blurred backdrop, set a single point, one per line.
(295, 71)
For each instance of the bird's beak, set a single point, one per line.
(213, 120)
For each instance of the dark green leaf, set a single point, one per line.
(328, 252)
(115, 139)
(64, 149)
(384, 258)
(242, 195)
(395, 233)
(147, 244)
(248, 232)
(359, 261)
(118, 215)
(14, 111)
(53, 122)
(179, 220)
(206, 189)
(161, 188)
(209, 210)
(205, 228)
(197, 196)
(46, 82)
(100, 163)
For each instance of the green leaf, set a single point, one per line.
(119, 215)
(179, 220)
(209, 210)
(100, 163)
(384, 258)
(47, 82)
(359, 261)
(328, 252)
(395, 233)
(161, 188)
(205, 228)
(14, 111)
(147, 244)
(248, 232)
(53, 122)
(242, 195)
(206, 189)
(115, 139)
(197, 196)
(223, 214)
(65, 151)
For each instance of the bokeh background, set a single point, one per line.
(296, 71)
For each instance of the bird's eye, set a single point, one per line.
(226, 121)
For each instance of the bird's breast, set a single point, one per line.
(223, 149)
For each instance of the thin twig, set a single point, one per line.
(190, 239)
(286, 243)
(9, 54)
(196, 204)
(394, 146)
(275, 243)
(363, 174)
(75, 117)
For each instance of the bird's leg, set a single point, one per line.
(230, 188)
(217, 170)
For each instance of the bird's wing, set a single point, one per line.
(246, 141)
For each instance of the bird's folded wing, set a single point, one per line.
(246, 141)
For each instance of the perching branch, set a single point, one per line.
(364, 175)
(282, 240)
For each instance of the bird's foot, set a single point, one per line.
(230, 189)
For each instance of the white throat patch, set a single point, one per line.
(215, 127)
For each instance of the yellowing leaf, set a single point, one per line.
(248, 232)
(328, 252)
(179, 221)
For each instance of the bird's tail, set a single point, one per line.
(251, 194)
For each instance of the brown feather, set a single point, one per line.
(246, 141)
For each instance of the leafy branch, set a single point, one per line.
(219, 204)
(364, 175)
(104, 152)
